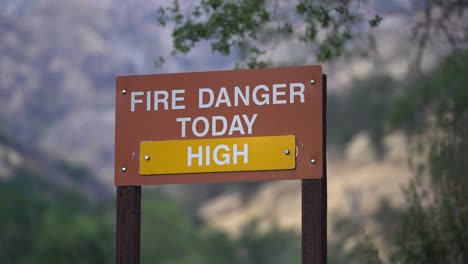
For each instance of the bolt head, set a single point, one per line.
(147, 157)
(123, 169)
(313, 161)
(286, 152)
(312, 82)
(124, 92)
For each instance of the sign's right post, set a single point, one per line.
(314, 204)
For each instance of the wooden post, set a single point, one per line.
(127, 246)
(314, 205)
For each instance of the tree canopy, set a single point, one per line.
(253, 27)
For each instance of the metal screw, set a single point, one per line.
(313, 161)
(124, 92)
(147, 157)
(286, 152)
(312, 82)
(124, 169)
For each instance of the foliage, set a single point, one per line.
(37, 229)
(3, 138)
(444, 20)
(274, 246)
(433, 233)
(38, 225)
(225, 20)
(443, 95)
(352, 244)
(433, 222)
(363, 107)
(249, 25)
(18, 218)
(430, 228)
(167, 235)
(74, 170)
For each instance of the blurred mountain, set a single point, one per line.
(59, 58)
(57, 66)
(58, 61)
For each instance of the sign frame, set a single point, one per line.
(303, 120)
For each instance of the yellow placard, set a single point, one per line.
(217, 155)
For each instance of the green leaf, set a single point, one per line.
(374, 22)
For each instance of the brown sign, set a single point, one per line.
(242, 125)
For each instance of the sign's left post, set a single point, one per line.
(127, 247)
